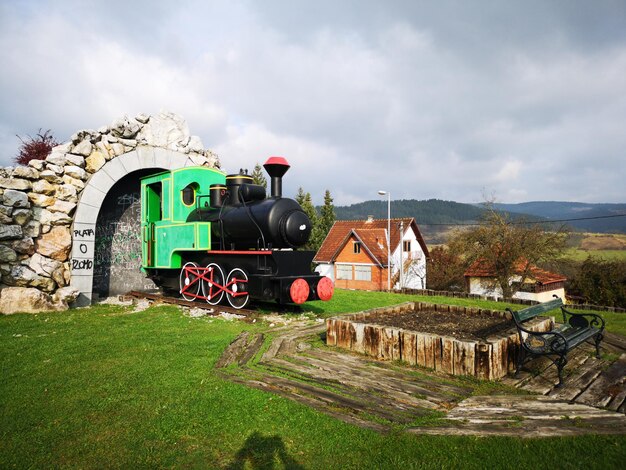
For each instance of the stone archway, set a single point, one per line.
(89, 207)
(49, 209)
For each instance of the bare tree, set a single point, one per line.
(508, 249)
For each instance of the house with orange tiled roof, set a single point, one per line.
(539, 284)
(354, 254)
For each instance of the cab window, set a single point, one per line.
(189, 194)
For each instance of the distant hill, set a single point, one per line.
(432, 211)
(434, 216)
(556, 210)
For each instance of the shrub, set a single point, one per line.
(445, 271)
(35, 148)
(600, 282)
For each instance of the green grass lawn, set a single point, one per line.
(106, 388)
(576, 254)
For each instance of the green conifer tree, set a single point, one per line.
(325, 221)
(306, 202)
(258, 177)
(300, 195)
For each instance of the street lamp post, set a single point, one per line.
(388, 194)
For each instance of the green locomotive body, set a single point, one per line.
(167, 200)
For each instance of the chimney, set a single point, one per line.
(370, 219)
(276, 167)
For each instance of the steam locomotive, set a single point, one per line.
(220, 238)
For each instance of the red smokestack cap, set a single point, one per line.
(276, 167)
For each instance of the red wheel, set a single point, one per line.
(299, 291)
(325, 289)
(189, 281)
(237, 288)
(213, 289)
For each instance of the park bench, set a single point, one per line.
(555, 344)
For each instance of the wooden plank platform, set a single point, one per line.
(527, 416)
(376, 395)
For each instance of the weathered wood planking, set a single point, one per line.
(409, 347)
(444, 361)
(526, 416)
(355, 389)
(608, 384)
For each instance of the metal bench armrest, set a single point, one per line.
(592, 319)
(552, 341)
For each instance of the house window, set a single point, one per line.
(357, 247)
(344, 272)
(406, 245)
(363, 273)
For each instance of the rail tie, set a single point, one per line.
(212, 310)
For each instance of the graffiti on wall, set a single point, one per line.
(117, 248)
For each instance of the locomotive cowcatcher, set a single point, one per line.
(220, 238)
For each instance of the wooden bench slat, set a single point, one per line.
(531, 312)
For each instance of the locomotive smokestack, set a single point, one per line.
(276, 167)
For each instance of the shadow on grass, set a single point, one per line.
(263, 453)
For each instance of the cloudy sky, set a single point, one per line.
(453, 100)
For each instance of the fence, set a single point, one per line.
(465, 295)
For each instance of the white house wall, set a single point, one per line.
(481, 286)
(327, 270)
(411, 279)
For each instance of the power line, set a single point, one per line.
(539, 221)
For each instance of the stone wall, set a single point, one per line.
(38, 202)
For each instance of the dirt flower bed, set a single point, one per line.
(451, 339)
(457, 324)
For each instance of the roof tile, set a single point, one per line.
(336, 237)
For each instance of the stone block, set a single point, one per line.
(44, 187)
(146, 156)
(130, 161)
(100, 181)
(10, 232)
(56, 157)
(41, 200)
(83, 148)
(67, 192)
(92, 197)
(15, 183)
(26, 172)
(55, 244)
(76, 160)
(115, 169)
(76, 172)
(94, 162)
(84, 232)
(13, 198)
(7, 255)
(21, 216)
(86, 214)
(82, 281)
(162, 158)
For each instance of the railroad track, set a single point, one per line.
(213, 310)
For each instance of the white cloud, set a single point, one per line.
(355, 95)
(508, 172)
